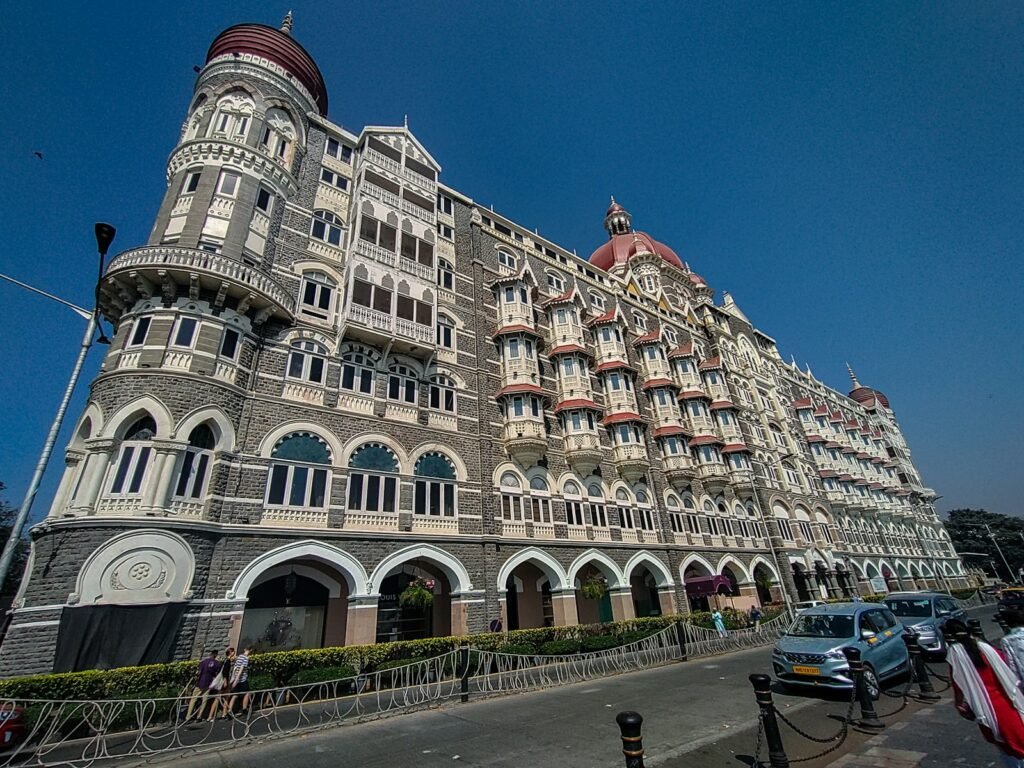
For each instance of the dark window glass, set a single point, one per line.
(186, 330)
(362, 293)
(229, 344)
(382, 300)
(388, 234)
(300, 476)
(186, 470)
(424, 313)
(355, 491)
(122, 469)
(278, 476)
(140, 470)
(140, 331)
(318, 493)
(263, 198)
(408, 246)
(368, 229)
(406, 308)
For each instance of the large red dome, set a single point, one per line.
(620, 248)
(277, 46)
(865, 395)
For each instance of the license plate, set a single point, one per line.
(807, 671)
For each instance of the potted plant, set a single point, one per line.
(594, 587)
(419, 593)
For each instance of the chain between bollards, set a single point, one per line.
(868, 717)
(763, 693)
(632, 741)
(919, 668)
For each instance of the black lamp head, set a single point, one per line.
(104, 237)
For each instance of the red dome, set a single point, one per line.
(864, 396)
(277, 46)
(620, 248)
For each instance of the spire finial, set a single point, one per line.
(613, 199)
(405, 122)
(853, 376)
(286, 23)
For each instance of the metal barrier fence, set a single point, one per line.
(79, 733)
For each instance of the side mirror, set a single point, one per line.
(943, 613)
(867, 635)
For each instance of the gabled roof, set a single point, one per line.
(662, 382)
(683, 350)
(710, 364)
(409, 134)
(565, 349)
(517, 328)
(618, 418)
(517, 389)
(614, 365)
(670, 430)
(569, 405)
(706, 440)
(651, 337)
(803, 403)
(736, 448)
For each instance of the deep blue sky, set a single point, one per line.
(852, 173)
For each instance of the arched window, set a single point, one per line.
(540, 500)
(357, 370)
(442, 393)
(573, 504)
(511, 498)
(195, 464)
(299, 474)
(307, 361)
(445, 331)
(598, 516)
(436, 494)
(373, 479)
(317, 294)
(233, 116)
(133, 458)
(445, 274)
(402, 383)
(327, 228)
(278, 134)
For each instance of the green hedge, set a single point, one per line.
(314, 665)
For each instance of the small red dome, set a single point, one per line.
(864, 396)
(277, 46)
(620, 248)
(613, 208)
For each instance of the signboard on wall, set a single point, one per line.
(878, 584)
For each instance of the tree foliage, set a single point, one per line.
(967, 531)
(7, 514)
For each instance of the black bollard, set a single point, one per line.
(464, 670)
(763, 693)
(974, 627)
(1003, 626)
(919, 668)
(868, 717)
(632, 741)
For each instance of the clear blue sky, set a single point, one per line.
(851, 172)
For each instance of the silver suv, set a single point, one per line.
(811, 651)
(926, 613)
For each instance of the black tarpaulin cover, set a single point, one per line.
(108, 636)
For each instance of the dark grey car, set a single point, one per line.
(926, 613)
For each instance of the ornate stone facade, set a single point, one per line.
(333, 376)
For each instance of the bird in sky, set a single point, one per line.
(38, 154)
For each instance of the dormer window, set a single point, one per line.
(556, 282)
(506, 259)
(597, 301)
(640, 322)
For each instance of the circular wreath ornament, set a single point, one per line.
(594, 588)
(419, 593)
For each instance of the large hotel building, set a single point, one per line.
(333, 376)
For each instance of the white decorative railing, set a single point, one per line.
(630, 536)
(304, 392)
(182, 205)
(184, 508)
(299, 518)
(400, 412)
(260, 223)
(185, 259)
(118, 506)
(375, 252)
(379, 193)
(421, 333)
(601, 534)
(355, 403)
(577, 532)
(419, 178)
(420, 213)
(179, 360)
(372, 318)
(523, 429)
(129, 359)
(383, 161)
(543, 530)
(513, 528)
(586, 441)
(423, 271)
(370, 521)
(225, 371)
(445, 421)
(629, 453)
(429, 523)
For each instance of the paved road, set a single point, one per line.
(685, 706)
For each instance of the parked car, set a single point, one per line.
(12, 725)
(1011, 597)
(803, 606)
(926, 613)
(811, 651)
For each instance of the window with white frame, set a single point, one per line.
(791, 476)
(442, 393)
(317, 295)
(195, 464)
(338, 151)
(184, 335)
(227, 184)
(229, 343)
(415, 249)
(373, 480)
(597, 301)
(133, 459)
(333, 179)
(140, 331)
(365, 294)
(640, 322)
(327, 228)
(556, 282)
(524, 405)
(278, 134)
(445, 331)
(357, 372)
(511, 498)
(573, 504)
(506, 259)
(445, 204)
(378, 233)
(610, 332)
(445, 274)
(540, 500)
(191, 183)
(671, 336)
(674, 446)
(402, 383)
(597, 515)
(436, 493)
(307, 361)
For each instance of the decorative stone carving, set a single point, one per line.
(145, 566)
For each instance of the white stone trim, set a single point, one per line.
(350, 568)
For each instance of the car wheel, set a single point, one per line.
(871, 682)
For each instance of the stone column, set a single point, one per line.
(361, 627)
(158, 487)
(667, 601)
(461, 602)
(563, 606)
(96, 463)
(622, 604)
(74, 464)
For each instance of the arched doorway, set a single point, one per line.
(591, 608)
(764, 580)
(528, 600)
(803, 582)
(399, 617)
(295, 605)
(644, 587)
(892, 583)
(701, 585)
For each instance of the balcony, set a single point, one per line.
(420, 213)
(567, 333)
(678, 469)
(434, 524)
(515, 314)
(154, 270)
(525, 440)
(730, 432)
(370, 521)
(619, 400)
(379, 193)
(574, 387)
(666, 415)
(375, 252)
(715, 475)
(607, 351)
(583, 451)
(383, 161)
(422, 271)
(742, 478)
(380, 326)
(701, 425)
(306, 393)
(519, 370)
(294, 518)
(420, 179)
(631, 460)
(655, 369)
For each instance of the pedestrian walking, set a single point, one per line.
(239, 682)
(716, 617)
(755, 617)
(1013, 643)
(986, 691)
(209, 671)
(219, 700)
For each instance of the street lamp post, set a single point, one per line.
(104, 237)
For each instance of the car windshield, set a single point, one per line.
(910, 607)
(824, 625)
